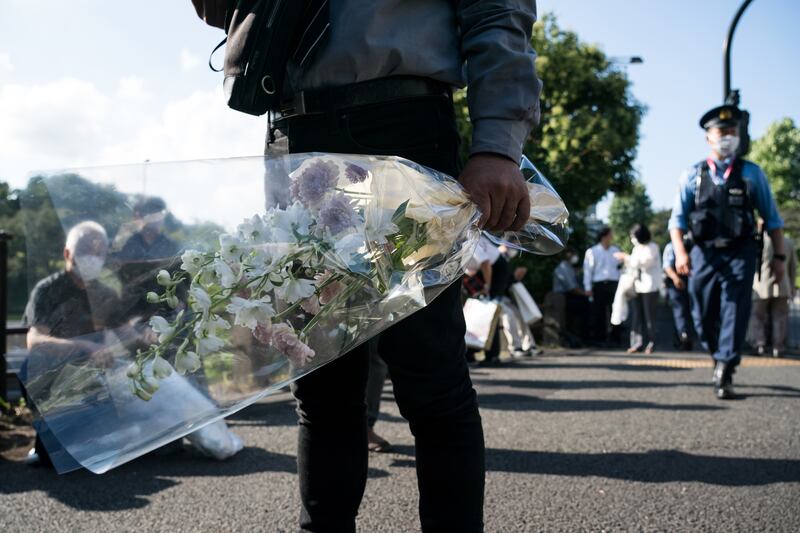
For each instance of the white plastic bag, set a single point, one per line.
(625, 292)
(527, 306)
(216, 441)
(518, 334)
(481, 317)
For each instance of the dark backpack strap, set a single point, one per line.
(702, 174)
(211, 56)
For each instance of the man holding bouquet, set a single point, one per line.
(382, 85)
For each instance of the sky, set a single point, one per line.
(88, 82)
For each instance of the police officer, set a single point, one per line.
(715, 203)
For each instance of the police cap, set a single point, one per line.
(723, 116)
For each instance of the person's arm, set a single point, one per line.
(778, 265)
(486, 271)
(676, 279)
(503, 100)
(39, 335)
(678, 222)
(588, 271)
(791, 256)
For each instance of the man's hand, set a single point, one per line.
(495, 183)
(679, 283)
(778, 270)
(682, 263)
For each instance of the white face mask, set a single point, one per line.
(573, 260)
(89, 266)
(726, 145)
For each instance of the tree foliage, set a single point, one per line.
(627, 209)
(778, 154)
(587, 136)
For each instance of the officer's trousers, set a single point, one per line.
(720, 286)
(425, 354)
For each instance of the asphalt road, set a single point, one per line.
(598, 442)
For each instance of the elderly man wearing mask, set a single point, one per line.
(67, 310)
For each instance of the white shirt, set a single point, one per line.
(599, 264)
(645, 262)
(485, 250)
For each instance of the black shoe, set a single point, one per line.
(761, 351)
(685, 343)
(723, 380)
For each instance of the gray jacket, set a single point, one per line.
(482, 44)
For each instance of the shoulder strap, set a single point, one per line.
(701, 173)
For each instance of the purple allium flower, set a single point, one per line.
(315, 182)
(354, 173)
(285, 340)
(337, 214)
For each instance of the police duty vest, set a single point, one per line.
(722, 213)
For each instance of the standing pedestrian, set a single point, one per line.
(715, 201)
(677, 287)
(644, 262)
(571, 302)
(600, 278)
(382, 85)
(770, 316)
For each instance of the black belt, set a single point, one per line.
(370, 92)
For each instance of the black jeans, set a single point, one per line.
(603, 295)
(424, 353)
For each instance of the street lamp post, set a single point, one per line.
(731, 96)
(728, 96)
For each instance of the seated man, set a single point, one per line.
(66, 308)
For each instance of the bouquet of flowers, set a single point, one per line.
(345, 246)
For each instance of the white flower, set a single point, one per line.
(286, 222)
(227, 277)
(163, 329)
(209, 344)
(153, 298)
(201, 300)
(160, 368)
(249, 313)
(149, 384)
(211, 326)
(192, 260)
(230, 248)
(186, 362)
(133, 370)
(164, 279)
(293, 289)
(253, 230)
(379, 224)
(352, 243)
(172, 301)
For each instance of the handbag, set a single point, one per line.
(263, 36)
(526, 304)
(481, 317)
